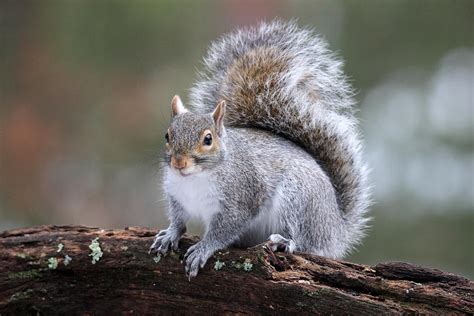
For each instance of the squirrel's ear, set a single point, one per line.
(177, 106)
(218, 116)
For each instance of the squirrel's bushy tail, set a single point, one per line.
(281, 78)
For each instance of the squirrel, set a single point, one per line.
(271, 151)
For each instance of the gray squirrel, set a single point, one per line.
(270, 152)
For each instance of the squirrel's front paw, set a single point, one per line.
(165, 240)
(195, 258)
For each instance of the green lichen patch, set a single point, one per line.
(236, 265)
(60, 247)
(310, 293)
(157, 258)
(21, 255)
(25, 274)
(67, 260)
(261, 257)
(24, 256)
(318, 292)
(21, 295)
(247, 266)
(52, 263)
(219, 265)
(96, 251)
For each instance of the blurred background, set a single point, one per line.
(85, 88)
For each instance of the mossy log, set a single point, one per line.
(36, 278)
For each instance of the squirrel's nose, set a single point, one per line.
(181, 165)
(179, 162)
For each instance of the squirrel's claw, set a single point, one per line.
(163, 243)
(277, 242)
(195, 258)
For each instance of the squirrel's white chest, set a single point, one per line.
(196, 194)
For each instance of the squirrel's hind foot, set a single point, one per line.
(277, 242)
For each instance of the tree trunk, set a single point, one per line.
(36, 278)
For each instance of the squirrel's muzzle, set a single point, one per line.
(180, 162)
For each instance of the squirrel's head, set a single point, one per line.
(194, 141)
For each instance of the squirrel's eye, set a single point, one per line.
(208, 140)
(167, 137)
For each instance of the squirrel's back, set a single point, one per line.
(284, 79)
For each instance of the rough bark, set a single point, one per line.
(127, 280)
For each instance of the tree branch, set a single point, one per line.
(127, 279)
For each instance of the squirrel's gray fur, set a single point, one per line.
(284, 165)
